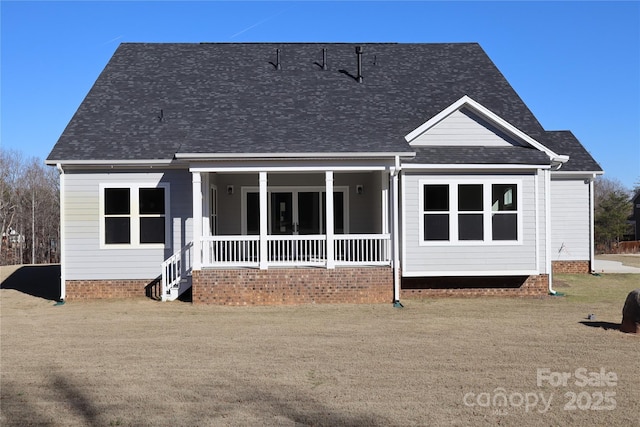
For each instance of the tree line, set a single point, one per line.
(613, 209)
(29, 210)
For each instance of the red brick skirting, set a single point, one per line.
(474, 287)
(571, 267)
(97, 289)
(279, 286)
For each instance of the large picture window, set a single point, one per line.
(469, 212)
(134, 216)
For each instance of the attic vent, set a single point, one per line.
(359, 56)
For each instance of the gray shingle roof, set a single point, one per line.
(479, 155)
(564, 142)
(229, 98)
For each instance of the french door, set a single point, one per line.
(295, 212)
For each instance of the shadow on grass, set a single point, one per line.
(41, 281)
(604, 325)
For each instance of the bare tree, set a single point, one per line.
(29, 210)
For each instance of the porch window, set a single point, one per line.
(469, 212)
(133, 216)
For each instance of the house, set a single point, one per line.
(276, 173)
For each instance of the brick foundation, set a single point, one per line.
(280, 286)
(531, 286)
(571, 267)
(98, 289)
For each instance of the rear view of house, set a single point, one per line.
(309, 173)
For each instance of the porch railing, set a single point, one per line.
(174, 269)
(354, 249)
(310, 249)
(231, 251)
(300, 250)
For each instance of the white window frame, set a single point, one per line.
(454, 212)
(134, 215)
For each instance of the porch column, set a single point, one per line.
(384, 181)
(329, 217)
(263, 220)
(196, 180)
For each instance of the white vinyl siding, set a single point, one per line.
(471, 258)
(85, 259)
(570, 220)
(463, 128)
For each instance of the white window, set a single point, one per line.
(134, 215)
(470, 212)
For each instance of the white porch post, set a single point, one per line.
(329, 216)
(396, 240)
(384, 226)
(196, 179)
(263, 220)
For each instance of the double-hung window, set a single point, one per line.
(470, 212)
(134, 215)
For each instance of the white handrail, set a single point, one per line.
(296, 250)
(174, 269)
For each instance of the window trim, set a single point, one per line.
(134, 215)
(454, 212)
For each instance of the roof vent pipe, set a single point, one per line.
(324, 59)
(278, 66)
(359, 55)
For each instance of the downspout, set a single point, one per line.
(63, 254)
(547, 227)
(592, 243)
(396, 249)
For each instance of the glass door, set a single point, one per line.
(282, 215)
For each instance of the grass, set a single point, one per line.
(141, 362)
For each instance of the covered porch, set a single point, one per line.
(289, 217)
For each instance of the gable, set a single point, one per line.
(462, 114)
(464, 128)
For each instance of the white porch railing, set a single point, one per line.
(231, 251)
(299, 250)
(174, 270)
(309, 249)
(359, 249)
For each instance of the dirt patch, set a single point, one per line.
(142, 362)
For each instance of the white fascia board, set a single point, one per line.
(576, 174)
(466, 101)
(421, 166)
(239, 169)
(159, 162)
(245, 156)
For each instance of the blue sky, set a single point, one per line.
(576, 64)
